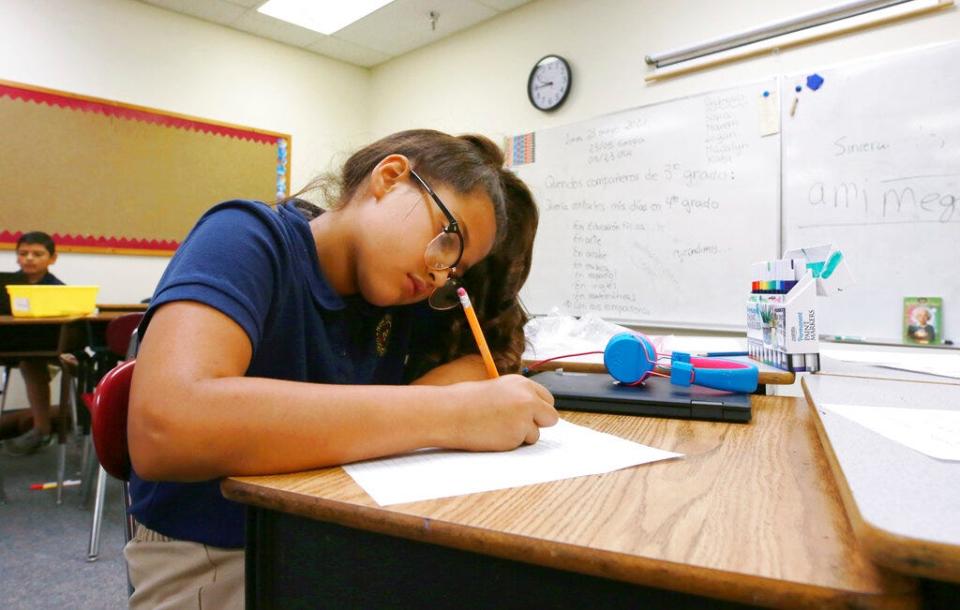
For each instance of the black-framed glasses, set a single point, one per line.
(443, 253)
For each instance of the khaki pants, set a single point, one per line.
(169, 574)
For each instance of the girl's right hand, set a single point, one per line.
(499, 414)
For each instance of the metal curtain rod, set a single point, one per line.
(770, 30)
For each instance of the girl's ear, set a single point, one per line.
(388, 173)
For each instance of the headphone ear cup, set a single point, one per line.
(628, 357)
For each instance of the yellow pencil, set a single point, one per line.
(478, 334)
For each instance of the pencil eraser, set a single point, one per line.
(461, 292)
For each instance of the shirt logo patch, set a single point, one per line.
(383, 334)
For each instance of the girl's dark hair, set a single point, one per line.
(38, 238)
(462, 163)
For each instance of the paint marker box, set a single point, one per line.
(782, 328)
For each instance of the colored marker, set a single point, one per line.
(849, 338)
(53, 484)
(478, 334)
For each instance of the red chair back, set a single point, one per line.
(119, 331)
(109, 414)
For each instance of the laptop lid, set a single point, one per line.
(657, 397)
(7, 278)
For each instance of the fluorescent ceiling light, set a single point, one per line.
(324, 16)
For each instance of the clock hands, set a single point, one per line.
(542, 85)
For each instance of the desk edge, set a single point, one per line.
(643, 571)
(905, 554)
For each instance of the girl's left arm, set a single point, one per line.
(464, 368)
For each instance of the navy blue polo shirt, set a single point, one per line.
(48, 279)
(259, 266)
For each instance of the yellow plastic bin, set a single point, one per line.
(32, 301)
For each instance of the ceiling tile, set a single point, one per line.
(404, 25)
(281, 31)
(501, 5)
(395, 29)
(343, 50)
(217, 11)
(248, 3)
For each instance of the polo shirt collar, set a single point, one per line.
(323, 293)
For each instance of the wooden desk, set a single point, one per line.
(904, 506)
(45, 338)
(39, 337)
(751, 515)
(122, 307)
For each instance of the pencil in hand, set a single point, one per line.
(478, 334)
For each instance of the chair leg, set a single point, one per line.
(62, 422)
(129, 523)
(61, 469)
(73, 398)
(3, 393)
(3, 403)
(88, 470)
(93, 550)
(130, 526)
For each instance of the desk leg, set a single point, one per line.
(293, 562)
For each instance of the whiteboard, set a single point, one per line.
(654, 215)
(871, 163)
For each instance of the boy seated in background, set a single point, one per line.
(35, 253)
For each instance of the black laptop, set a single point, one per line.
(657, 397)
(7, 278)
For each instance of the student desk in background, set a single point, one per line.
(751, 515)
(45, 338)
(122, 307)
(904, 505)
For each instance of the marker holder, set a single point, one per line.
(782, 327)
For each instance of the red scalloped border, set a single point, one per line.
(104, 242)
(133, 114)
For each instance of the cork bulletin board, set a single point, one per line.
(107, 177)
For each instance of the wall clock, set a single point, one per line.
(549, 83)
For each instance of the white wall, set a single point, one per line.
(476, 80)
(132, 52)
(473, 81)
(135, 53)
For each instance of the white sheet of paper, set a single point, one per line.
(564, 451)
(942, 364)
(934, 432)
(770, 113)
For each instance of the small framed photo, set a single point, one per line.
(923, 320)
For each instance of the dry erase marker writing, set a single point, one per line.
(478, 334)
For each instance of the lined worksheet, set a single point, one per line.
(564, 451)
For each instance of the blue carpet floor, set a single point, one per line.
(43, 546)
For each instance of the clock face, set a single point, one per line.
(549, 82)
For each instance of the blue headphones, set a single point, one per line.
(631, 358)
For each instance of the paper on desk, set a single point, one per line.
(942, 364)
(934, 432)
(564, 451)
